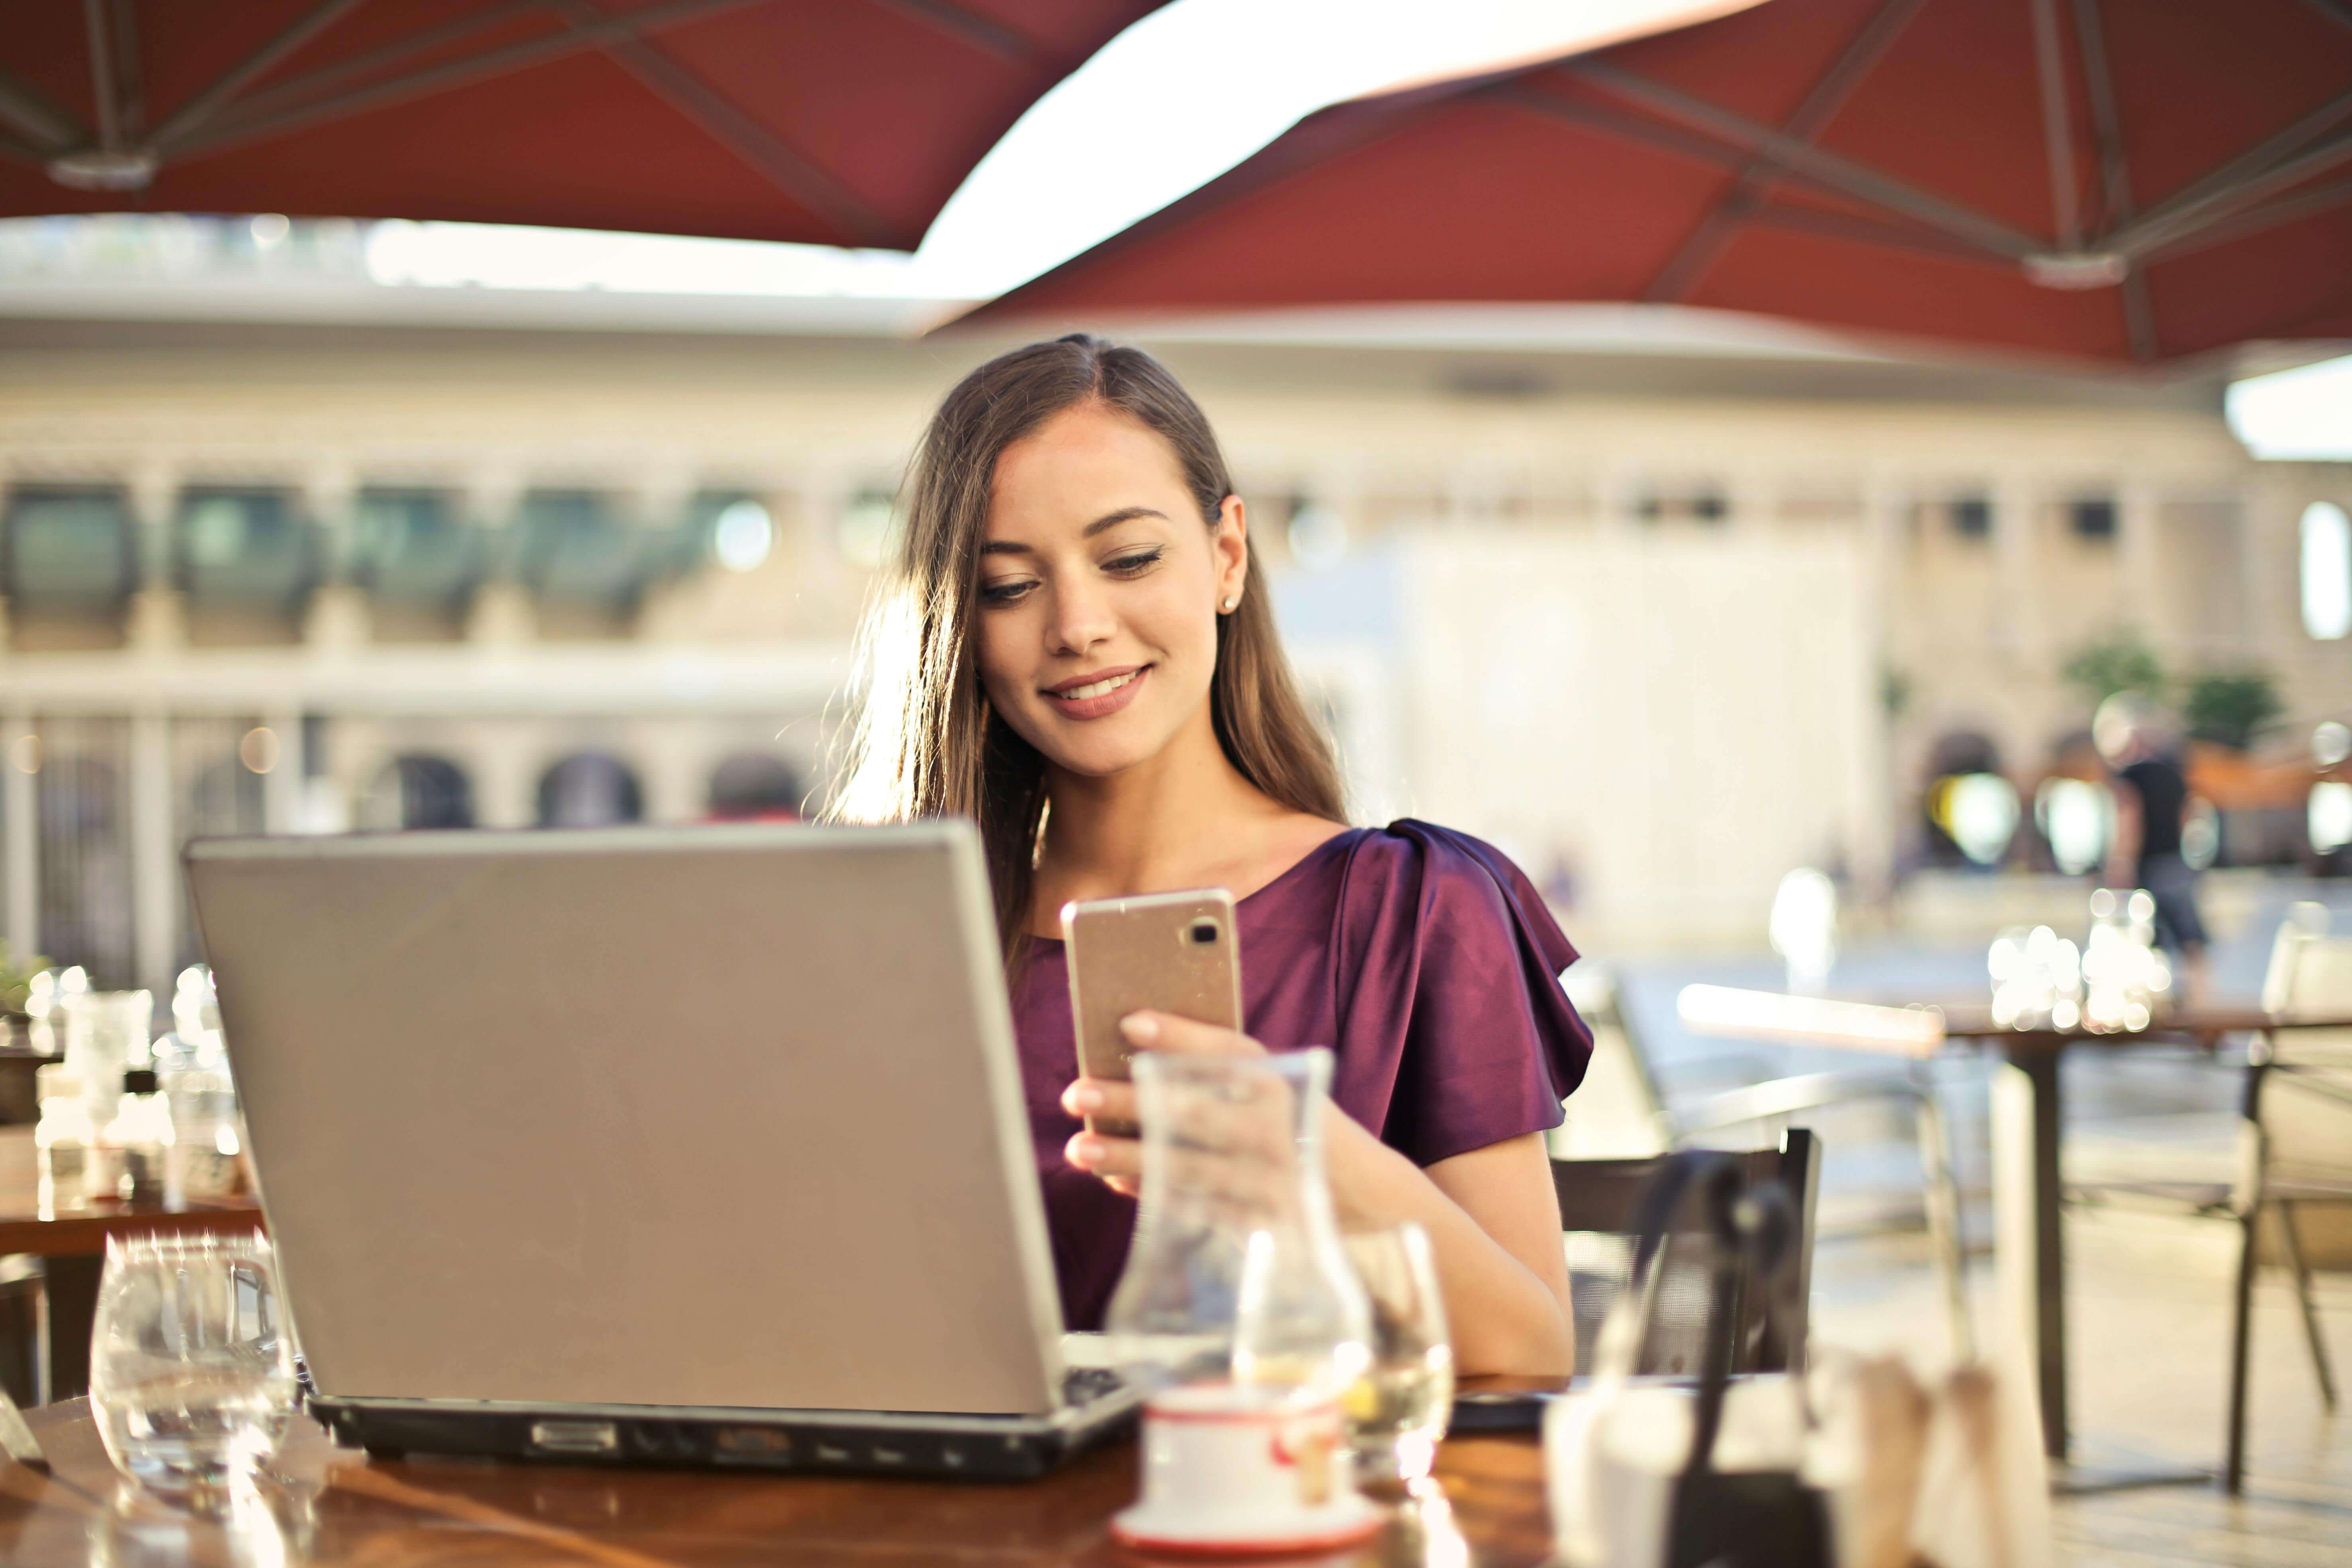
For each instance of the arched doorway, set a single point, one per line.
(590, 789)
(417, 789)
(755, 786)
(1969, 809)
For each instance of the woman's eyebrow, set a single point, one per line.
(1109, 520)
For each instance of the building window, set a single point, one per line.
(410, 547)
(572, 548)
(1971, 517)
(250, 548)
(2093, 517)
(70, 551)
(1693, 503)
(2327, 571)
(82, 801)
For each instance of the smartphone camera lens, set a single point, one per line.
(1201, 932)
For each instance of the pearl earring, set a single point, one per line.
(1231, 603)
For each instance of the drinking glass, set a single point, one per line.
(1398, 1411)
(191, 1371)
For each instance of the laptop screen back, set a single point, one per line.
(702, 1117)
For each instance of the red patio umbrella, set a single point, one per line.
(2111, 180)
(834, 121)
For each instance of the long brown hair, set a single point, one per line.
(927, 742)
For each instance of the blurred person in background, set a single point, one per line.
(2151, 795)
(1076, 652)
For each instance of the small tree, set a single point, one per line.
(2229, 709)
(2118, 661)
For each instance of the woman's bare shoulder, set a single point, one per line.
(1280, 844)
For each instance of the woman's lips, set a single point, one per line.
(1103, 704)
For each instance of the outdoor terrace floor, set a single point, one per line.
(2149, 1315)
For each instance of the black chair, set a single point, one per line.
(1598, 1200)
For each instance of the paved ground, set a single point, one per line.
(2150, 1311)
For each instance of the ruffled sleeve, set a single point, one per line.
(1454, 1032)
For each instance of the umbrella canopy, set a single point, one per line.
(2115, 180)
(832, 122)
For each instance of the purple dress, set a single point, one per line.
(1422, 957)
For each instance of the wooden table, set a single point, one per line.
(324, 1505)
(73, 1240)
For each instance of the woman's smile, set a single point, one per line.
(1099, 695)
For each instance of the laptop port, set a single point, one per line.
(575, 1436)
(753, 1445)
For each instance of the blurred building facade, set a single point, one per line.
(1663, 625)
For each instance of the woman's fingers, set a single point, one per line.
(1149, 1031)
(1113, 1158)
(1100, 1098)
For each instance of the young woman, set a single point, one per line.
(1077, 655)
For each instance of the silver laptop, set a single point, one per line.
(686, 1145)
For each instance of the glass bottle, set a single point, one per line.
(127, 1159)
(201, 1164)
(107, 1034)
(61, 1138)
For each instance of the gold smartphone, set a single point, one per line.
(1171, 952)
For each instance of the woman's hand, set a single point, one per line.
(1120, 1160)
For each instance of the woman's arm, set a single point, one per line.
(1492, 1216)
(2123, 852)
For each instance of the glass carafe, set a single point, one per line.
(1237, 1273)
(1239, 1312)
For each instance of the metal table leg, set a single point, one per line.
(73, 1306)
(2029, 1248)
(2030, 1256)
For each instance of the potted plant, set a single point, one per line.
(16, 990)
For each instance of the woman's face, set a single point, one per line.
(1100, 586)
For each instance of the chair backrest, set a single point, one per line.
(2304, 1106)
(1598, 1199)
(1617, 1112)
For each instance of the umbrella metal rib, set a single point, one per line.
(1840, 174)
(2253, 165)
(2336, 11)
(102, 74)
(50, 127)
(232, 81)
(2180, 216)
(2278, 163)
(2114, 171)
(1719, 154)
(997, 41)
(2057, 134)
(779, 163)
(575, 37)
(1756, 180)
(2270, 215)
(309, 87)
